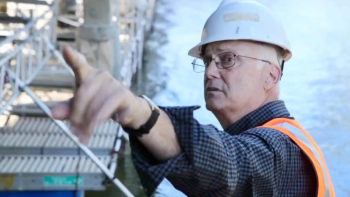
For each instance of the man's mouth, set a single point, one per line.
(212, 89)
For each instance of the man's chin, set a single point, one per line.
(212, 105)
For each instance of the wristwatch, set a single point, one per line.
(145, 128)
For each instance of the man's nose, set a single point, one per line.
(212, 70)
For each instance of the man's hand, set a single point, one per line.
(98, 98)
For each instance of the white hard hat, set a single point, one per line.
(243, 20)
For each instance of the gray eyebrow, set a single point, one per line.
(218, 50)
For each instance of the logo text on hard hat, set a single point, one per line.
(230, 17)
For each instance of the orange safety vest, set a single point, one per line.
(303, 139)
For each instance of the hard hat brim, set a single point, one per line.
(196, 50)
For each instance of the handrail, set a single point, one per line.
(72, 137)
(33, 44)
(40, 40)
(27, 27)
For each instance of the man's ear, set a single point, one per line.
(273, 76)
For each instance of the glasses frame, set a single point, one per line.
(194, 64)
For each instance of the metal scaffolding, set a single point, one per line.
(111, 33)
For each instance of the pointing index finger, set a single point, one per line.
(77, 62)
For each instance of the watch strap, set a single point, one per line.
(145, 128)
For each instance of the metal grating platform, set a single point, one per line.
(45, 125)
(34, 136)
(23, 172)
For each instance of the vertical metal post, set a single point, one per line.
(116, 42)
(2, 81)
(39, 52)
(18, 68)
(22, 65)
(101, 32)
(53, 24)
(30, 58)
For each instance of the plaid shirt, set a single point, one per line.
(241, 161)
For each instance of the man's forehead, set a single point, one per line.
(223, 46)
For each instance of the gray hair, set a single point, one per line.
(279, 51)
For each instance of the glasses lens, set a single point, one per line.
(227, 59)
(198, 67)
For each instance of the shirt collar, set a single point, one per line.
(267, 112)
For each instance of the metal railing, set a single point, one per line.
(135, 18)
(24, 55)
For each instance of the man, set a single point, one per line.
(262, 151)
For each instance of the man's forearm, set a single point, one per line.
(162, 141)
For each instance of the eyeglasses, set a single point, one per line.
(222, 61)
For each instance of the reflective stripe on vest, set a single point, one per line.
(294, 131)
